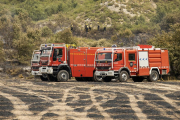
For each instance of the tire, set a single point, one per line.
(137, 79)
(124, 76)
(52, 78)
(44, 77)
(62, 76)
(107, 79)
(97, 79)
(78, 79)
(154, 76)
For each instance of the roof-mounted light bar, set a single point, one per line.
(53, 45)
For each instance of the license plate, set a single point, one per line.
(102, 74)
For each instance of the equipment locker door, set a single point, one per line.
(143, 63)
(79, 61)
(131, 61)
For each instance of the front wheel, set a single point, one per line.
(107, 79)
(62, 76)
(52, 78)
(154, 76)
(97, 78)
(44, 77)
(124, 76)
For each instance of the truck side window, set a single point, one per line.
(59, 52)
(131, 57)
(119, 57)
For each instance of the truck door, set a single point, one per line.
(131, 61)
(79, 62)
(60, 57)
(118, 61)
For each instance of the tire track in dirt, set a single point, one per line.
(21, 110)
(62, 110)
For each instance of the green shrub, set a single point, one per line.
(46, 32)
(116, 5)
(110, 4)
(1, 51)
(114, 38)
(65, 37)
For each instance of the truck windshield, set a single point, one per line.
(46, 52)
(36, 57)
(104, 56)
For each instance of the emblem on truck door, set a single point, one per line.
(131, 64)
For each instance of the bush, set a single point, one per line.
(114, 38)
(37, 14)
(65, 37)
(46, 32)
(1, 51)
(14, 71)
(110, 4)
(116, 5)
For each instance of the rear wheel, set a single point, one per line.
(43, 77)
(124, 76)
(62, 76)
(154, 76)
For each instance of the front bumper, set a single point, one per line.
(36, 73)
(104, 73)
(46, 70)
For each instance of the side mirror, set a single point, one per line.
(55, 55)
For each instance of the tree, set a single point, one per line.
(24, 48)
(171, 41)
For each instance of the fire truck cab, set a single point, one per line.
(35, 62)
(136, 62)
(35, 65)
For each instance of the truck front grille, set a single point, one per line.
(44, 62)
(35, 68)
(103, 68)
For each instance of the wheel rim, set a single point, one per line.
(154, 76)
(99, 78)
(124, 77)
(64, 76)
(44, 75)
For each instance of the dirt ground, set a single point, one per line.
(37, 100)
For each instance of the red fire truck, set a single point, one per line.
(35, 65)
(135, 62)
(35, 62)
(60, 62)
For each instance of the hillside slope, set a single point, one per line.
(28, 23)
